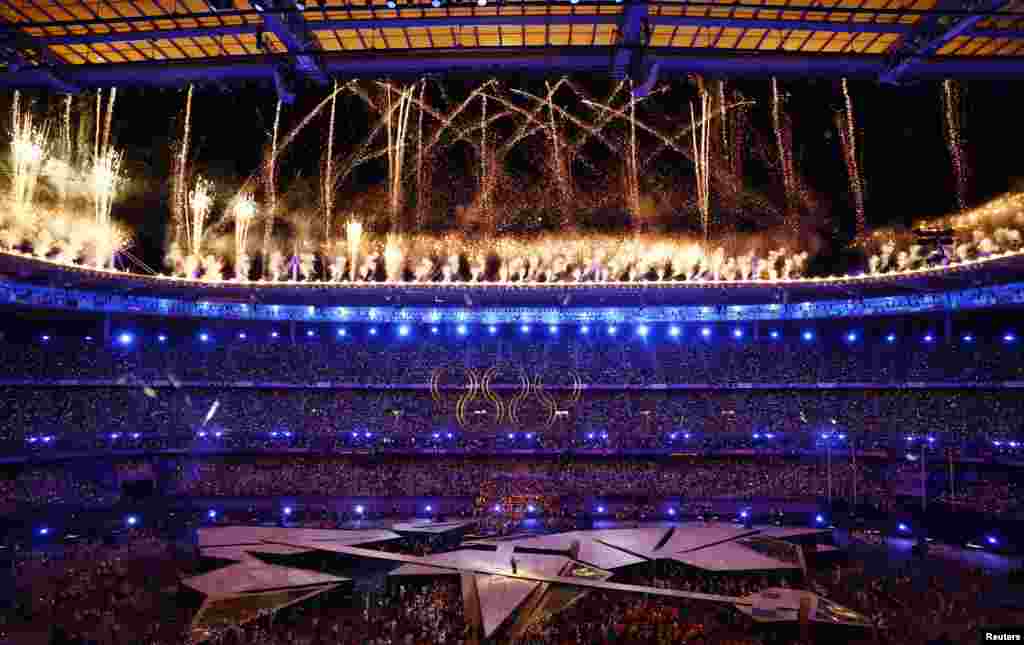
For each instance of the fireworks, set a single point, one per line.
(200, 201)
(701, 158)
(951, 100)
(29, 149)
(354, 238)
(784, 141)
(244, 211)
(848, 137)
(105, 181)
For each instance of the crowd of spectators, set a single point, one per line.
(363, 358)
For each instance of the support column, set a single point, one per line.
(106, 330)
(291, 331)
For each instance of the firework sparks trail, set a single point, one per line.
(244, 211)
(110, 117)
(632, 168)
(783, 139)
(952, 99)
(354, 237)
(29, 149)
(396, 138)
(420, 187)
(848, 138)
(178, 200)
(327, 182)
(99, 121)
(270, 186)
(393, 258)
(723, 121)
(701, 155)
(200, 201)
(106, 179)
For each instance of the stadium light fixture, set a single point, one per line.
(493, 330)
(46, 337)
(287, 510)
(511, 435)
(131, 520)
(525, 329)
(497, 508)
(1009, 337)
(553, 329)
(373, 331)
(88, 339)
(242, 335)
(808, 335)
(686, 436)
(310, 333)
(204, 337)
(529, 435)
(275, 334)
(612, 330)
(851, 337)
(585, 329)
(903, 527)
(115, 435)
(643, 330)
(462, 329)
(437, 435)
(403, 330)
(705, 332)
(449, 435)
(44, 530)
(673, 331)
(744, 513)
(672, 436)
(530, 508)
(928, 338)
(433, 330)
(212, 514)
(672, 512)
(429, 508)
(774, 334)
(992, 540)
(967, 338)
(590, 435)
(125, 338)
(359, 509)
(819, 519)
(600, 509)
(891, 338)
(737, 333)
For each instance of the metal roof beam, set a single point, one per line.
(633, 34)
(484, 21)
(932, 33)
(13, 45)
(287, 23)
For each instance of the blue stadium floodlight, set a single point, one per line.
(47, 439)
(273, 433)
(218, 434)
(525, 329)
(968, 338)
(429, 508)
(115, 435)
(202, 434)
(890, 338)
(449, 435)
(359, 509)
(462, 329)
(437, 4)
(373, 331)
(744, 513)
(774, 334)
(928, 338)
(992, 540)
(910, 438)
(737, 333)
(1013, 444)
(529, 435)
(46, 337)
(275, 334)
(367, 434)
(672, 512)
(903, 527)
(590, 435)
(672, 436)
(355, 435)
(493, 330)
(88, 339)
(1009, 337)
(673, 331)
(808, 335)
(757, 435)
(686, 436)
(437, 435)
(43, 530)
(131, 520)
(851, 337)
(242, 335)
(212, 514)
(287, 434)
(403, 330)
(819, 519)
(434, 330)
(585, 329)
(612, 330)
(643, 330)
(204, 337)
(553, 329)
(931, 439)
(604, 435)
(341, 332)
(842, 436)
(997, 443)
(530, 508)
(769, 436)
(497, 508)
(310, 333)
(287, 510)
(125, 338)
(600, 509)
(705, 332)
(511, 435)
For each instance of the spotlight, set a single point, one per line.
(851, 337)
(903, 527)
(642, 330)
(131, 520)
(44, 530)
(530, 508)
(891, 338)
(612, 330)
(705, 332)
(929, 338)
(429, 508)
(212, 514)
(808, 335)
(310, 333)
(1009, 338)
(287, 510)
(737, 333)
(46, 337)
(449, 435)
(403, 330)
(672, 436)
(433, 330)
(600, 509)
(436, 3)
(492, 329)
(525, 329)
(511, 435)
(125, 338)
(819, 519)
(673, 331)
(585, 329)
(359, 509)
(275, 334)
(204, 337)
(481, 3)
(672, 512)
(241, 335)
(552, 329)
(968, 338)
(744, 514)
(373, 331)
(391, 4)
(992, 540)
(774, 334)
(497, 508)
(529, 435)
(462, 329)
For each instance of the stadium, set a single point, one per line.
(510, 322)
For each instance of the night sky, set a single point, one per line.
(904, 157)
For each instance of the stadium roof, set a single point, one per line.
(70, 45)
